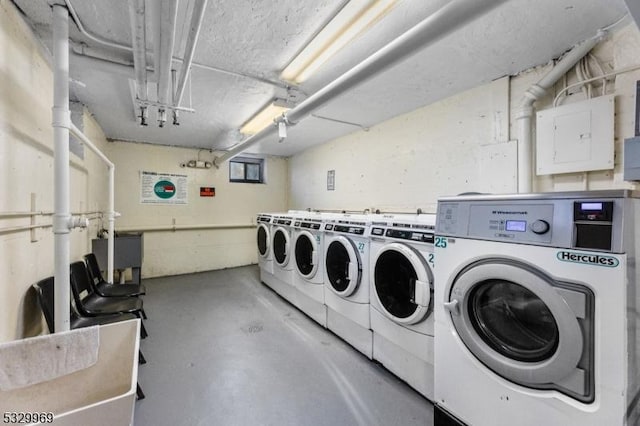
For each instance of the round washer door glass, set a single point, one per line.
(304, 254)
(511, 317)
(513, 321)
(342, 266)
(395, 280)
(263, 240)
(280, 243)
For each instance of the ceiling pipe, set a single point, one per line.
(61, 119)
(139, 41)
(120, 46)
(194, 31)
(524, 114)
(165, 18)
(443, 22)
(85, 60)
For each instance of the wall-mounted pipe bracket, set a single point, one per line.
(61, 117)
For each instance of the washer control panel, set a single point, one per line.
(526, 223)
(586, 220)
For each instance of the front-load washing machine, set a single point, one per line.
(401, 287)
(282, 249)
(537, 310)
(263, 236)
(308, 252)
(347, 280)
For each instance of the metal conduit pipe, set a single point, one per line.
(440, 24)
(111, 202)
(85, 60)
(525, 112)
(161, 228)
(61, 121)
(139, 38)
(165, 25)
(112, 44)
(194, 31)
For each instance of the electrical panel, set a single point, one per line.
(577, 137)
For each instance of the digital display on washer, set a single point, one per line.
(591, 206)
(377, 231)
(516, 225)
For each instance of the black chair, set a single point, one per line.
(105, 289)
(45, 291)
(90, 304)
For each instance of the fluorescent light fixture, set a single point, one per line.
(355, 17)
(265, 117)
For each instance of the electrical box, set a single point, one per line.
(632, 159)
(578, 137)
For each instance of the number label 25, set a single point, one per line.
(441, 242)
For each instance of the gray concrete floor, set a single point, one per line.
(223, 349)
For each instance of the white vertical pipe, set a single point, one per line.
(111, 207)
(112, 219)
(525, 113)
(190, 48)
(61, 121)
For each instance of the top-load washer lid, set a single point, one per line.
(281, 243)
(526, 326)
(264, 238)
(343, 266)
(402, 283)
(306, 254)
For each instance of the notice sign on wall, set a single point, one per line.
(163, 188)
(207, 191)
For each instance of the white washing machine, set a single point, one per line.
(401, 276)
(346, 291)
(282, 252)
(263, 236)
(308, 252)
(537, 310)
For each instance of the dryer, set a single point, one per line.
(401, 275)
(308, 252)
(282, 249)
(346, 280)
(537, 310)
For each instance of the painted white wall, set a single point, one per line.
(180, 252)
(407, 162)
(26, 167)
(459, 144)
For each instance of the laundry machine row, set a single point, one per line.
(537, 310)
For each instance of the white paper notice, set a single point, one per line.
(163, 188)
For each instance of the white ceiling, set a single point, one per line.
(259, 38)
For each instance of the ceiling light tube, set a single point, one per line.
(349, 22)
(265, 117)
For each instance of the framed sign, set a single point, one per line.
(163, 188)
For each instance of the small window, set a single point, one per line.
(245, 169)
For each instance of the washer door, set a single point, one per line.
(281, 246)
(524, 326)
(264, 238)
(343, 266)
(306, 252)
(402, 283)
